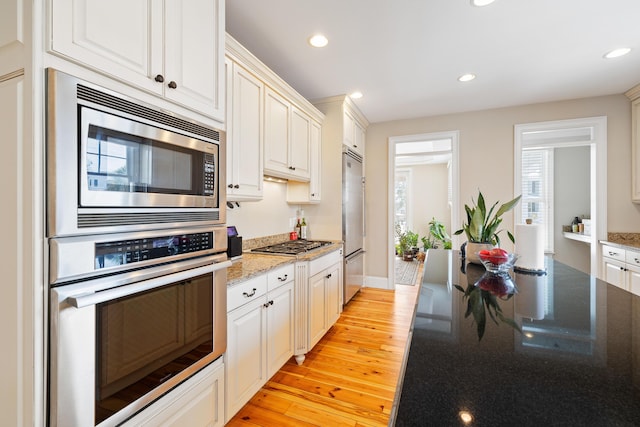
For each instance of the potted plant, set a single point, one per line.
(481, 227)
(439, 233)
(413, 241)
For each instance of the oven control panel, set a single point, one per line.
(122, 252)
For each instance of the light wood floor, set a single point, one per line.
(350, 377)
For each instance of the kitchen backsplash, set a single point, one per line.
(258, 242)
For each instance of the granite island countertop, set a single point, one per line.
(253, 264)
(575, 363)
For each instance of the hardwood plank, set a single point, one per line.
(350, 377)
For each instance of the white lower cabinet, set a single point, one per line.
(319, 302)
(621, 268)
(198, 402)
(259, 333)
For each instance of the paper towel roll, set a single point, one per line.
(530, 246)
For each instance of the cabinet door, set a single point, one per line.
(317, 308)
(358, 138)
(122, 38)
(614, 273)
(635, 151)
(276, 133)
(244, 140)
(315, 181)
(299, 144)
(246, 354)
(348, 130)
(334, 291)
(280, 327)
(633, 279)
(194, 55)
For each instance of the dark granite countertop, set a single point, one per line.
(575, 363)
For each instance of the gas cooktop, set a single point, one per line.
(292, 247)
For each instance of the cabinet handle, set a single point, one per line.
(172, 84)
(612, 253)
(313, 194)
(230, 185)
(328, 276)
(282, 279)
(159, 78)
(292, 168)
(236, 186)
(637, 261)
(253, 292)
(267, 304)
(355, 145)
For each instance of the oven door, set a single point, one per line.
(120, 342)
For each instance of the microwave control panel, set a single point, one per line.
(209, 175)
(123, 252)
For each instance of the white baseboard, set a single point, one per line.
(377, 282)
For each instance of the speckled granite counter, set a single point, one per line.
(253, 264)
(576, 362)
(623, 240)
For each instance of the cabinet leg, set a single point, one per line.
(300, 359)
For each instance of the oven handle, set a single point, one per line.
(86, 300)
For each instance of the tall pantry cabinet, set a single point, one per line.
(153, 51)
(21, 307)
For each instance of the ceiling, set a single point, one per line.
(405, 55)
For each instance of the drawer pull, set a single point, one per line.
(612, 253)
(282, 279)
(637, 261)
(267, 304)
(253, 292)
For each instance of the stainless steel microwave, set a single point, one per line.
(116, 164)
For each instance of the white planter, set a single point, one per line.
(472, 249)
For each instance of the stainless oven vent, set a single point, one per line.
(87, 220)
(97, 97)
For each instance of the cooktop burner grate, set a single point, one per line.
(292, 247)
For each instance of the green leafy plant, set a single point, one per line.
(439, 233)
(428, 243)
(481, 226)
(412, 239)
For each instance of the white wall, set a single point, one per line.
(266, 217)
(429, 197)
(486, 161)
(572, 170)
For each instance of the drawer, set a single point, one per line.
(280, 276)
(246, 291)
(633, 258)
(324, 262)
(613, 253)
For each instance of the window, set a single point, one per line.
(537, 190)
(402, 211)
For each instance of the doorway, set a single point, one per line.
(554, 141)
(416, 167)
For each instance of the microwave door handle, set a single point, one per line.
(85, 300)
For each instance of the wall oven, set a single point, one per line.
(117, 164)
(132, 315)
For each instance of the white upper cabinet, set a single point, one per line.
(309, 192)
(245, 97)
(634, 95)
(354, 133)
(287, 138)
(173, 48)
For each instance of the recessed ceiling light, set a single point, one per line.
(318, 40)
(481, 2)
(356, 95)
(466, 77)
(617, 52)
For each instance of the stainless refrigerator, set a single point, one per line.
(352, 223)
